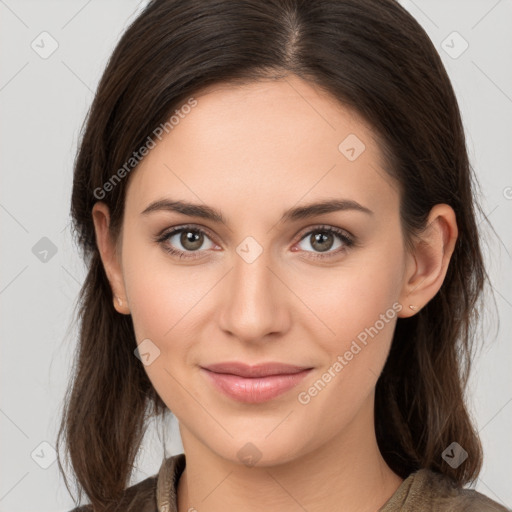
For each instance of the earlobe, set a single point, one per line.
(427, 266)
(109, 256)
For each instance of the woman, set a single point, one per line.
(276, 208)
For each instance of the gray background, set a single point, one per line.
(43, 102)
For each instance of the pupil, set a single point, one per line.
(191, 240)
(320, 239)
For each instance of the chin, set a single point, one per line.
(256, 451)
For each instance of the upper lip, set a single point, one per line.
(258, 370)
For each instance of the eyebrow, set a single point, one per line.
(293, 214)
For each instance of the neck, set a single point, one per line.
(346, 473)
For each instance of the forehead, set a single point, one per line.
(276, 141)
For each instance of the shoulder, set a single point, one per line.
(157, 492)
(140, 497)
(428, 490)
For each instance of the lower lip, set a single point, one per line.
(257, 389)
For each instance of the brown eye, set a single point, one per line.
(185, 241)
(191, 240)
(323, 239)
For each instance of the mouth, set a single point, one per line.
(254, 384)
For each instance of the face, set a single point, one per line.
(320, 291)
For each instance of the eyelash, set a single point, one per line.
(348, 241)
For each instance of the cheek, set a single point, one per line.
(169, 303)
(162, 300)
(358, 303)
(162, 295)
(353, 297)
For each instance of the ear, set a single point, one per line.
(427, 265)
(110, 256)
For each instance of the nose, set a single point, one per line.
(254, 301)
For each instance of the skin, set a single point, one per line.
(252, 152)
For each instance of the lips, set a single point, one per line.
(260, 370)
(254, 384)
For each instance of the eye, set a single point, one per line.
(184, 241)
(189, 241)
(323, 238)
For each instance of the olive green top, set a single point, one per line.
(422, 491)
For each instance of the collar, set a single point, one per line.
(167, 483)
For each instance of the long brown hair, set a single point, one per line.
(373, 57)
